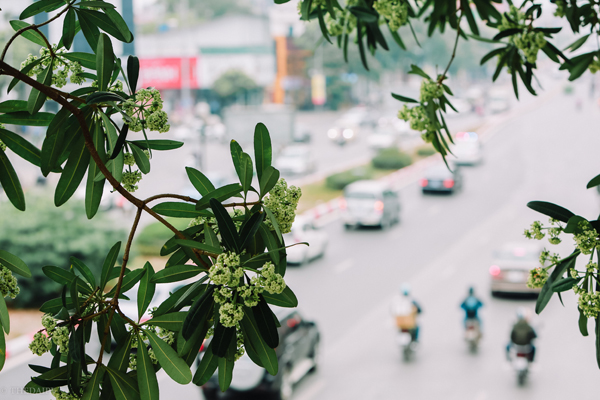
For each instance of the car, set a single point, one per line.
(510, 268)
(303, 230)
(466, 149)
(370, 203)
(440, 179)
(343, 132)
(382, 139)
(295, 160)
(297, 355)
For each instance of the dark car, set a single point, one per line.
(296, 354)
(439, 179)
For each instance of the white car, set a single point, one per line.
(303, 230)
(295, 160)
(382, 139)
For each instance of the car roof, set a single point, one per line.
(438, 170)
(366, 186)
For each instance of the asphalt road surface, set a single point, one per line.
(442, 245)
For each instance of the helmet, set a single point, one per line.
(405, 289)
(471, 290)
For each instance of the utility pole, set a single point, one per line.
(127, 5)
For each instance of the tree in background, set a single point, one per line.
(232, 85)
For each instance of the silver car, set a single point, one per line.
(370, 203)
(510, 268)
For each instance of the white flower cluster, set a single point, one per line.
(560, 8)
(60, 395)
(234, 293)
(419, 121)
(394, 11)
(59, 335)
(130, 178)
(594, 65)
(589, 302)
(2, 146)
(283, 201)
(61, 67)
(529, 42)
(537, 278)
(145, 111)
(545, 256)
(8, 283)
(586, 239)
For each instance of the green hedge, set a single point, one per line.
(391, 158)
(152, 237)
(341, 180)
(425, 151)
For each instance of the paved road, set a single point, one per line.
(442, 245)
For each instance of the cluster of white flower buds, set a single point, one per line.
(8, 283)
(395, 12)
(537, 278)
(528, 41)
(145, 111)
(58, 335)
(283, 201)
(61, 67)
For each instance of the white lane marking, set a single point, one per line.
(311, 391)
(344, 265)
(18, 360)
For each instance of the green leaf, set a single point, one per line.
(146, 375)
(10, 182)
(73, 173)
(563, 285)
(178, 258)
(253, 339)
(172, 321)
(200, 246)
(92, 389)
(69, 29)
(573, 224)
(263, 153)
(129, 281)
(99, 4)
(229, 234)
(221, 194)
(243, 165)
(95, 188)
(159, 145)
(361, 46)
(269, 179)
(168, 358)
(551, 210)
(598, 340)
(55, 305)
(415, 70)
(41, 6)
(109, 263)
(105, 61)
(86, 60)
(364, 14)
(179, 210)
(21, 147)
(133, 72)
(578, 43)
(482, 39)
(4, 317)
(103, 97)
(24, 118)
(206, 368)
(170, 245)
(287, 298)
(146, 290)
(546, 292)
(404, 99)
(121, 26)
(266, 323)
(123, 386)
(176, 273)
(102, 21)
(198, 313)
(141, 159)
(491, 55)
(210, 237)
(250, 228)
(89, 28)
(199, 181)
(594, 182)
(583, 322)
(58, 275)
(226, 365)
(84, 270)
(2, 349)
(222, 338)
(14, 263)
(30, 34)
(507, 32)
(12, 106)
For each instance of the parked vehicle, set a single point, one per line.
(510, 268)
(297, 355)
(439, 179)
(382, 139)
(466, 149)
(295, 160)
(407, 344)
(303, 230)
(370, 203)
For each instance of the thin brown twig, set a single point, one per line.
(32, 26)
(170, 195)
(252, 203)
(458, 31)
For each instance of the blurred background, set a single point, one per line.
(224, 66)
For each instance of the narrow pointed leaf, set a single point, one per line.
(287, 298)
(129, 281)
(168, 358)
(10, 182)
(222, 339)
(123, 386)
(160, 145)
(105, 61)
(109, 263)
(84, 270)
(14, 263)
(253, 338)
(269, 179)
(68, 33)
(133, 71)
(21, 147)
(200, 246)
(146, 375)
(206, 368)
(551, 210)
(179, 210)
(146, 290)
(92, 389)
(266, 323)
(141, 159)
(73, 173)
(221, 194)
(86, 60)
(229, 234)
(95, 188)
(89, 28)
(172, 321)
(263, 152)
(198, 313)
(36, 98)
(199, 181)
(175, 273)
(30, 34)
(4, 318)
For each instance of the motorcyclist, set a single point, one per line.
(471, 306)
(522, 334)
(406, 309)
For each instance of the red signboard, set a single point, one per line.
(168, 73)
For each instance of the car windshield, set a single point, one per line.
(360, 195)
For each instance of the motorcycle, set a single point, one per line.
(406, 343)
(520, 357)
(472, 334)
